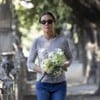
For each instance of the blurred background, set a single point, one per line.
(78, 20)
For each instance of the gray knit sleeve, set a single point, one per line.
(32, 56)
(67, 50)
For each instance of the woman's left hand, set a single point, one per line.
(66, 65)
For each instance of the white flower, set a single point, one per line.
(53, 64)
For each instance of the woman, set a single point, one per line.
(50, 87)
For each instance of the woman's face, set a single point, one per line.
(47, 24)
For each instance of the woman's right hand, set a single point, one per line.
(38, 69)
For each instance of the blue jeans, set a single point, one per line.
(47, 91)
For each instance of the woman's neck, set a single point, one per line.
(49, 35)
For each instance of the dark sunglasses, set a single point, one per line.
(46, 21)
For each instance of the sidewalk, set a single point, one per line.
(82, 89)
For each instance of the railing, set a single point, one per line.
(7, 77)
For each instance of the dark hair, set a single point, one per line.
(47, 13)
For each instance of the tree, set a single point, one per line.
(86, 13)
(30, 15)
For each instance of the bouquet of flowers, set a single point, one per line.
(54, 62)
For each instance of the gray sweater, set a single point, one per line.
(40, 48)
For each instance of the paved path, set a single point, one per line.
(82, 89)
(75, 80)
(74, 74)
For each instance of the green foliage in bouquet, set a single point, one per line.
(54, 62)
